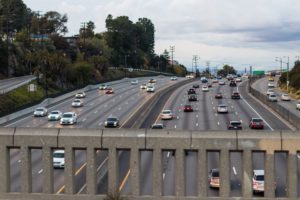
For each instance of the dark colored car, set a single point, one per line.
(235, 95)
(112, 122)
(192, 97)
(191, 91)
(214, 178)
(219, 95)
(232, 84)
(157, 126)
(235, 125)
(209, 85)
(256, 123)
(196, 86)
(188, 108)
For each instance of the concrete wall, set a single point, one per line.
(135, 141)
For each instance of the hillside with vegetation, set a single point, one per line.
(35, 43)
(294, 80)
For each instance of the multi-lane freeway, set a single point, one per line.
(124, 103)
(7, 85)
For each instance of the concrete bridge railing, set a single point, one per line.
(136, 141)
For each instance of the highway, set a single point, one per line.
(7, 85)
(127, 98)
(98, 106)
(205, 117)
(262, 86)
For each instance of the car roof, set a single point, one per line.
(59, 151)
(55, 111)
(253, 118)
(259, 172)
(40, 108)
(69, 113)
(232, 122)
(222, 105)
(167, 110)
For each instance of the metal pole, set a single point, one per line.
(287, 74)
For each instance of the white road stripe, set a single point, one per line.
(255, 111)
(197, 124)
(197, 116)
(40, 171)
(84, 120)
(168, 155)
(298, 156)
(164, 176)
(175, 126)
(19, 161)
(218, 123)
(234, 170)
(100, 123)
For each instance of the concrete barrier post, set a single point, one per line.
(269, 175)
(202, 173)
(157, 172)
(292, 181)
(4, 172)
(26, 178)
(247, 175)
(69, 170)
(112, 170)
(47, 170)
(179, 166)
(224, 174)
(134, 171)
(91, 171)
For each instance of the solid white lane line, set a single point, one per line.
(255, 111)
(234, 170)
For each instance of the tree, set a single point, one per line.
(52, 23)
(226, 70)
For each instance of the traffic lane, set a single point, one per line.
(213, 162)
(168, 173)
(274, 122)
(65, 106)
(92, 98)
(8, 83)
(191, 173)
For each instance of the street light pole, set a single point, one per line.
(280, 60)
(287, 72)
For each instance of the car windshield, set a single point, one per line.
(157, 126)
(39, 109)
(222, 106)
(260, 178)
(257, 120)
(215, 174)
(58, 155)
(67, 116)
(77, 101)
(54, 112)
(112, 119)
(235, 123)
(166, 112)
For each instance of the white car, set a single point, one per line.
(298, 105)
(238, 80)
(77, 103)
(173, 78)
(204, 88)
(40, 112)
(271, 85)
(143, 86)
(150, 88)
(80, 95)
(221, 83)
(134, 82)
(54, 115)
(166, 114)
(270, 91)
(222, 108)
(258, 181)
(272, 97)
(285, 97)
(68, 118)
(59, 159)
(103, 87)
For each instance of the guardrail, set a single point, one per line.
(136, 141)
(281, 110)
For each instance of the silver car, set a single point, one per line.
(40, 112)
(272, 97)
(222, 108)
(77, 103)
(54, 115)
(68, 118)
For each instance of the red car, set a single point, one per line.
(209, 85)
(188, 108)
(109, 91)
(256, 123)
(219, 96)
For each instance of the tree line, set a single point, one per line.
(35, 43)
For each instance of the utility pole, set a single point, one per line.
(172, 50)
(207, 64)
(280, 60)
(83, 27)
(195, 61)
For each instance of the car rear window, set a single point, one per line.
(54, 112)
(40, 109)
(112, 119)
(260, 178)
(67, 116)
(215, 174)
(257, 120)
(58, 155)
(166, 112)
(235, 123)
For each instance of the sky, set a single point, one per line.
(240, 33)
